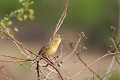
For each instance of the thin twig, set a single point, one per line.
(66, 71)
(51, 70)
(41, 65)
(78, 55)
(56, 29)
(27, 67)
(86, 66)
(6, 78)
(20, 49)
(58, 73)
(16, 58)
(20, 44)
(48, 75)
(8, 31)
(114, 43)
(116, 49)
(109, 68)
(110, 72)
(31, 53)
(108, 54)
(60, 21)
(13, 61)
(75, 48)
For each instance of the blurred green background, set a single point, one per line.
(94, 17)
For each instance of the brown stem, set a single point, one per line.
(60, 21)
(88, 67)
(108, 54)
(20, 44)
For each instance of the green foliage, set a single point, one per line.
(115, 76)
(92, 78)
(21, 14)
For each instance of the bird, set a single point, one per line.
(49, 49)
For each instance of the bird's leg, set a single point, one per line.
(49, 60)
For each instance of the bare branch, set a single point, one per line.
(108, 54)
(109, 69)
(110, 72)
(61, 18)
(78, 55)
(86, 66)
(20, 44)
(7, 78)
(75, 48)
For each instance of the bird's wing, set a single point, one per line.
(43, 49)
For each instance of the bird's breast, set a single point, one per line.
(51, 51)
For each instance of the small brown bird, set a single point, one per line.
(49, 49)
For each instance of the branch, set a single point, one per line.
(78, 55)
(76, 46)
(108, 54)
(86, 66)
(15, 57)
(7, 78)
(20, 44)
(110, 72)
(109, 68)
(60, 21)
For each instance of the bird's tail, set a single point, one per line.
(37, 68)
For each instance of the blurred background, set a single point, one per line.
(93, 17)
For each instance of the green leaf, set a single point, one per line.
(20, 11)
(9, 22)
(32, 2)
(25, 3)
(16, 29)
(31, 11)
(19, 18)
(25, 17)
(21, 1)
(6, 18)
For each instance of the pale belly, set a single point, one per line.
(51, 51)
